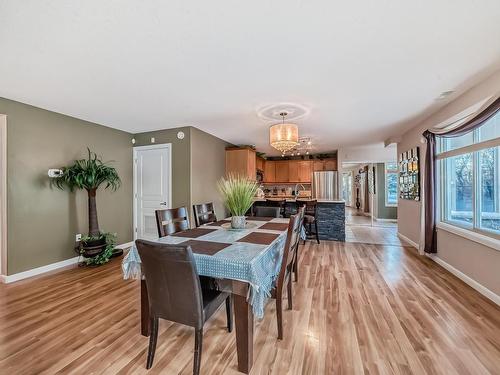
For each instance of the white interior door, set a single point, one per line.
(152, 183)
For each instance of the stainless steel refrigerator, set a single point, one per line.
(325, 185)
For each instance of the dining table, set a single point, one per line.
(244, 262)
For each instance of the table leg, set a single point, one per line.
(145, 329)
(244, 333)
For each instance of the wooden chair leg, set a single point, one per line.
(316, 228)
(229, 314)
(198, 346)
(152, 342)
(279, 314)
(289, 292)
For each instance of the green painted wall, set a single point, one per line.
(43, 221)
(198, 161)
(208, 165)
(383, 212)
(181, 160)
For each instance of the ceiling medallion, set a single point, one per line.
(272, 112)
(285, 136)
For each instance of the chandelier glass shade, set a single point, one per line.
(284, 137)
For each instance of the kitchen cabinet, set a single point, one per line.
(260, 164)
(282, 171)
(293, 171)
(304, 171)
(318, 165)
(296, 171)
(330, 164)
(325, 165)
(270, 171)
(242, 162)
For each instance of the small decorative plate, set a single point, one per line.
(248, 225)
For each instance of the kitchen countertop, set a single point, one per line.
(293, 200)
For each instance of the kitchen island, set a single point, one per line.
(330, 215)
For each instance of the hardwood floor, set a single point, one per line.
(358, 308)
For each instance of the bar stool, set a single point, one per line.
(310, 218)
(277, 203)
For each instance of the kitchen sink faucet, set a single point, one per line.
(297, 189)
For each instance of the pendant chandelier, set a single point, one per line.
(284, 137)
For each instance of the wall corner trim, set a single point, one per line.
(406, 239)
(466, 279)
(7, 279)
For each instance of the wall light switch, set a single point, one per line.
(78, 237)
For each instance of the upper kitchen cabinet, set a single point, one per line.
(299, 171)
(318, 165)
(293, 171)
(325, 165)
(242, 162)
(260, 164)
(330, 164)
(270, 171)
(305, 171)
(282, 171)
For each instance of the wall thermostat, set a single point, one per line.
(180, 135)
(55, 173)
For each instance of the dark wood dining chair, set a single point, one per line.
(284, 278)
(204, 214)
(310, 218)
(172, 220)
(263, 211)
(175, 294)
(281, 203)
(295, 268)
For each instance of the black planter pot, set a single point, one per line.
(117, 253)
(92, 248)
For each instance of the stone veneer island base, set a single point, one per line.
(330, 215)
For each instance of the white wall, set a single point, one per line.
(477, 261)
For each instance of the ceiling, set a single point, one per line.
(363, 71)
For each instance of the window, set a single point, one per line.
(391, 184)
(470, 178)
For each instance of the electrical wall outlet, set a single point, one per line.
(78, 237)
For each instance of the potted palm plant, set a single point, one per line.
(238, 194)
(90, 174)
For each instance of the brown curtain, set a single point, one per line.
(430, 169)
(366, 198)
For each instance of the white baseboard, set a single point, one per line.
(38, 271)
(406, 239)
(49, 267)
(388, 220)
(466, 279)
(125, 246)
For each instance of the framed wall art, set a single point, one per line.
(409, 174)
